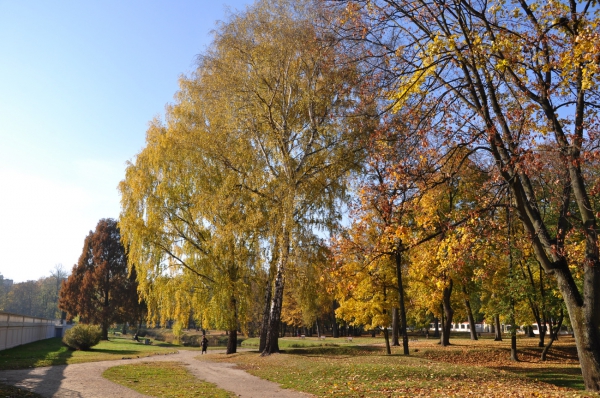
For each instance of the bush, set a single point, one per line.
(82, 337)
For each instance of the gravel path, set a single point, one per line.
(85, 379)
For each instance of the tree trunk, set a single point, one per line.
(448, 313)
(395, 328)
(470, 315)
(442, 324)
(498, 331)
(513, 343)
(553, 336)
(542, 335)
(104, 331)
(583, 315)
(272, 342)
(265, 321)
(386, 335)
(232, 341)
(402, 314)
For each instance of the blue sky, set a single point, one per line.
(79, 82)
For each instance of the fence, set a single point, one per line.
(20, 329)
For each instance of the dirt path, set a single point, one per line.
(85, 379)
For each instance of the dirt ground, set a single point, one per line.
(85, 380)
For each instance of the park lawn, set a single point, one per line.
(163, 379)
(51, 352)
(467, 368)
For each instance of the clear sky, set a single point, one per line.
(79, 82)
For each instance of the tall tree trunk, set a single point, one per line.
(497, 326)
(386, 335)
(395, 328)
(470, 315)
(448, 313)
(232, 341)
(583, 315)
(266, 313)
(403, 332)
(266, 319)
(272, 343)
(105, 316)
(232, 333)
(442, 323)
(513, 332)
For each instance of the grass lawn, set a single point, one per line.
(163, 379)
(341, 368)
(51, 352)
(335, 367)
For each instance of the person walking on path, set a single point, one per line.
(204, 344)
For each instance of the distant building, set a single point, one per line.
(7, 282)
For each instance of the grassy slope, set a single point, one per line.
(51, 352)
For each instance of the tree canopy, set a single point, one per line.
(100, 289)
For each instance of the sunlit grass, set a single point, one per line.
(163, 379)
(363, 370)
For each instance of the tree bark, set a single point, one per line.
(403, 332)
(395, 328)
(272, 342)
(498, 328)
(448, 313)
(232, 341)
(470, 315)
(584, 323)
(266, 314)
(553, 336)
(386, 335)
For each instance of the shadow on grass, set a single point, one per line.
(21, 366)
(49, 352)
(115, 352)
(333, 351)
(561, 377)
(14, 392)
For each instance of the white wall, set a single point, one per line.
(19, 329)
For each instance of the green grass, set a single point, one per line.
(355, 370)
(562, 376)
(163, 379)
(51, 352)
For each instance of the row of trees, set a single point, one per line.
(460, 138)
(34, 298)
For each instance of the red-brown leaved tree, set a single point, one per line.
(100, 290)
